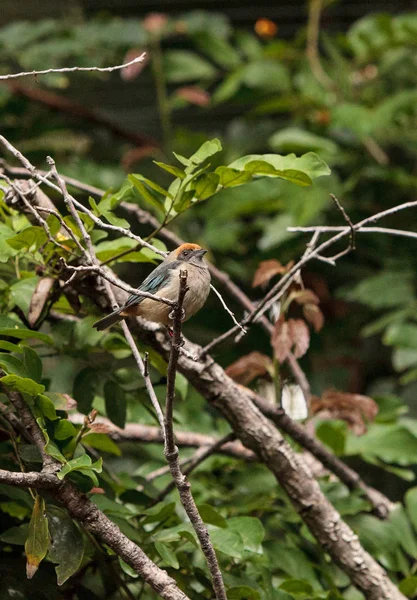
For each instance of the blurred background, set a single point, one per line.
(337, 78)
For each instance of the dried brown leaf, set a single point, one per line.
(39, 298)
(355, 409)
(132, 71)
(299, 335)
(100, 428)
(281, 340)
(313, 315)
(306, 297)
(249, 367)
(268, 269)
(194, 95)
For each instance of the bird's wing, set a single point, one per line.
(154, 281)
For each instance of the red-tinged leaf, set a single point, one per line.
(132, 71)
(194, 95)
(313, 315)
(249, 367)
(306, 297)
(101, 428)
(268, 269)
(155, 22)
(39, 298)
(355, 409)
(281, 340)
(300, 336)
(37, 542)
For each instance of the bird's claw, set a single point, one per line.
(172, 314)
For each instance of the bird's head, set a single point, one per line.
(190, 253)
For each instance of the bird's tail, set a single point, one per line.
(109, 320)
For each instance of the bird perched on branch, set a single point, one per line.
(164, 281)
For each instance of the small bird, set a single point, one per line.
(164, 281)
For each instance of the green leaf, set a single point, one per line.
(296, 586)
(176, 171)
(22, 292)
(211, 516)
(146, 194)
(228, 87)
(46, 407)
(218, 49)
(266, 75)
(64, 429)
(411, 505)
(227, 541)
(167, 555)
(243, 592)
(30, 238)
(67, 547)
(24, 334)
(385, 290)
(10, 347)
(293, 139)
(401, 334)
(82, 463)
(15, 535)
(151, 184)
(207, 149)
(84, 388)
(231, 177)
(37, 542)
(403, 531)
(182, 65)
(184, 161)
(206, 185)
(115, 400)
(392, 443)
(261, 167)
(408, 586)
(32, 363)
(250, 530)
(23, 385)
(333, 434)
(12, 364)
(105, 207)
(128, 569)
(50, 447)
(102, 442)
(309, 164)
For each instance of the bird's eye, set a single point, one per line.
(185, 253)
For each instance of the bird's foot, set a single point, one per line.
(172, 315)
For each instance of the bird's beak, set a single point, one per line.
(201, 252)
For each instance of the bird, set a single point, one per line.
(164, 281)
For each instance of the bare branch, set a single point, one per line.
(171, 450)
(138, 59)
(227, 309)
(193, 462)
(329, 229)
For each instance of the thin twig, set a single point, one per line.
(171, 450)
(275, 291)
(138, 59)
(351, 245)
(115, 281)
(331, 229)
(227, 309)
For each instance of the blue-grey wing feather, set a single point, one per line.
(154, 281)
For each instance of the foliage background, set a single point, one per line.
(259, 93)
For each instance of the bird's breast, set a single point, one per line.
(198, 284)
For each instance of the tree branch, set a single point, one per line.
(171, 450)
(138, 59)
